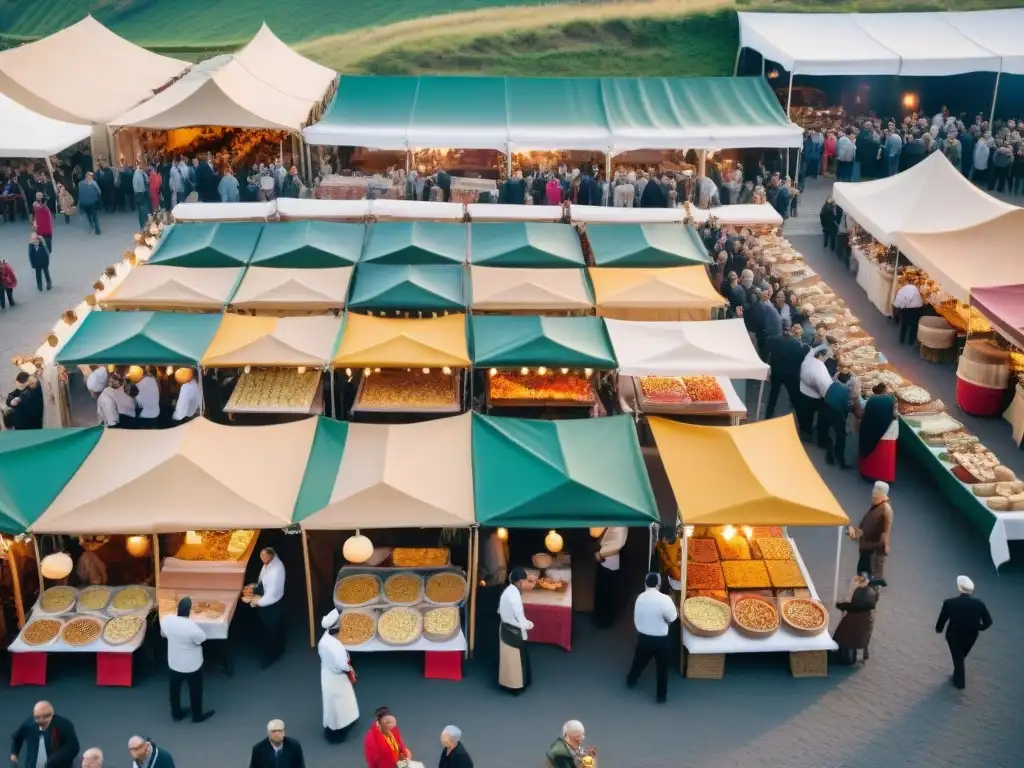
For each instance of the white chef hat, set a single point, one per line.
(330, 619)
(964, 585)
(881, 490)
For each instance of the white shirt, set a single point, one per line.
(511, 611)
(97, 380)
(814, 378)
(184, 643)
(612, 542)
(148, 397)
(908, 297)
(272, 579)
(124, 402)
(981, 154)
(845, 149)
(333, 655)
(653, 612)
(188, 401)
(41, 756)
(106, 408)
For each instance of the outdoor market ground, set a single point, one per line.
(898, 710)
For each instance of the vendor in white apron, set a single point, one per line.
(606, 581)
(341, 709)
(513, 658)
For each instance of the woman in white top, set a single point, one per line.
(341, 709)
(513, 659)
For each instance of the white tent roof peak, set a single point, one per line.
(271, 60)
(24, 133)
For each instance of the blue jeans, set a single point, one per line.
(893, 164)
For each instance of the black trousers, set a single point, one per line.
(792, 387)
(195, 692)
(959, 647)
(909, 319)
(42, 272)
(830, 239)
(606, 596)
(9, 294)
(648, 646)
(834, 424)
(272, 618)
(92, 214)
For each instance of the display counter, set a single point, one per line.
(282, 390)
(877, 283)
(395, 390)
(551, 614)
(549, 389)
(731, 406)
(215, 627)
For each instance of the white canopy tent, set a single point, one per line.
(225, 211)
(998, 31)
(272, 61)
(331, 210)
(24, 133)
(748, 215)
(927, 44)
(596, 214)
(479, 212)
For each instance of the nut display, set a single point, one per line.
(122, 629)
(81, 630)
(419, 557)
(755, 615)
(408, 391)
(746, 574)
(274, 391)
(707, 614)
(440, 622)
(784, 574)
(704, 576)
(704, 389)
(130, 599)
(772, 549)
(93, 598)
(400, 626)
(208, 609)
(568, 387)
(403, 588)
(356, 628)
(57, 600)
(218, 546)
(804, 615)
(702, 551)
(41, 631)
(664, 389)
(446, 587)
(735, 548)
(358, 590)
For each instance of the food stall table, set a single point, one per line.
(734, 409)
(113, 662)
(876, 284)
(551, 614)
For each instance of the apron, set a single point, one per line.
(339, 699)
(513, 659)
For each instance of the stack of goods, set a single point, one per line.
(217, 546)
(357, 591)
(419, 557)
(963, 318)
(550, 386)
(403, 589)
(281, 390)
(694, 392)
(441, 624)
(400, 390)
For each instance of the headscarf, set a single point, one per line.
(964, 585)
(874, 423)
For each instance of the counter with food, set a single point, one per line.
(430, 390)
(81, 633)
(278, 390)
(213, 610)
(548, 602)
(552, 387)
(688, 396)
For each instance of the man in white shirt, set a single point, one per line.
(96, 382)
(267, 595)
(653, 615)
(814, 383)
(846, 153)
(148, 400)
(114, 406)
(189, 399)
(606, 582)
(513, 660)
(185, 659)
(909, 306)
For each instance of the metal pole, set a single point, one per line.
(607, 179)
(202, 398)
(839, 546)
(474, 586)
(702, 163)
(760, 396)
(508, 163)
(789, 104)
(995, 95)
(892, 288)
(796, 171)
(650, 544)
(736, 66)
(39, 564)
(309, 588)
(56, 202)
(334, 397)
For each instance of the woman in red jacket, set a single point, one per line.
(155, 180)
(383, 744)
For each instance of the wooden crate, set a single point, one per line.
(808, 663)
(704, 666)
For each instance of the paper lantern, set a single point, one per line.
(503, 534)
(52, 340)
(135, 374)
(183, 375)
(137, 546)
(57, 565)
(357, 549)
(542, 371)
(111, 368)
(553, 541)
(588, 372)
(596, 533)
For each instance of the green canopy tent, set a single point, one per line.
(645, 245)
(525, 244)
(415, 242)
(309, 245)
(322, 467)
(560, 474)
(425, 288)
(508, 341)
(214, 244)
(140, 338)
(35, 465)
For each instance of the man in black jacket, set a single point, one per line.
(45, 730)
(146, 754)
(784, 359)
(39, 260)
(829, 217)
(967, 616)
(24, 405)
(265, 752)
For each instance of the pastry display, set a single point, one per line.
(123, 629)
(914, 395)
(784, 574)
(706, 616)
(704, 576)
(772, 549)
(57, 600)
(41, 631)
(361, 589)
(440, 623)
(745, 574)
(208, 609)
(218, 546)
(93, 598)
(445, 587)
(356, 628)
(804, 615)
(704, 389)
(403, 588)
(81, 630)
(551, 585)
(419, 557)
(664, 389)
(980, 463)
(167, 606)
(403, 390)
(400, 626)
(702, 550)
(563, 387)
(130, 599)
(755, 615)
(280, 390)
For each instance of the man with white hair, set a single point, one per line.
(965, 616)
(92, 758)
(453, 754)
(567, 751)
(872, 536)
(277, 750)
(146, 754)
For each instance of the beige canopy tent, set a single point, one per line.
(273, 342)
(293, 291)
(666, 293)
(84, 74)
(402, 476)
(154, 288)
(511, 289)
(272, 61)
(196, 476)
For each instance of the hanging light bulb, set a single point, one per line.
(302, 370)
(565, 371)
(728, 532)
(376, 370)
(357, 549)
(492, 372)
(588, 372)
(366, 372)
(542, 370)
(170, 370)
(111, 368)
(747, 531)
(553, 541)
(348, 372)
(523, 371)
(503, 534)
(446, 371)
(247, 369)
(426, 370)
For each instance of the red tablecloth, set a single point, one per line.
(978, 400)
(552, 624)
(442, 665)
(28, 669)
(114, 669)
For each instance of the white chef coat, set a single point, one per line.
(511, 611)
(188, 401)
(97, 380)
(333, 655)
(106, 408)
(653, 612)
(814, 378)
(272, 579)
(149, 397)
(612, 542)
(908, 297)
(184, 643)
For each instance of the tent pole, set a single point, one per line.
(839, 547)
(789, 104)
(53, 183)
(156, 561)
(309, 163)
(796, 171)
(334, 397)
(892, 288)
(39, 563)
(736, 66)
(309, 588)
(702, 163)
(682, 598)
(12, 561)
(508, 162)
(995, 95)
(760, 397)
(474, 564)
(607, 179)
(650, 544)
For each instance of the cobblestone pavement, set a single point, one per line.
(898, 710)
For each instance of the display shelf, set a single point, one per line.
(457, 643)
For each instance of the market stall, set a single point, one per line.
(186, 213)
(288, 292)
(207, 244)
(533, 291)
(685, 368)
(174, 289)
(408, 289)
(599, 214)
(668, 293)
(567, 474)
(524, 244)
(415, 242)
(541, 362)
(505, 212)
(308, 245)
(771, 483)
(747, 215)
(643, 245)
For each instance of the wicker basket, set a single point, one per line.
(440, 638)
(409, 611)
(808, 663)
(704, 666)
(694, 630)
(403, 574)
(757, 634)
(800, 630)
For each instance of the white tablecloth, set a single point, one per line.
(215, 629)
(457, 643)
(59, 646)
(109, 611)
(876, 284)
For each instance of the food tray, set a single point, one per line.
(82, 618)
(772, 549)
(123, 641)
(393, 613)
(460, 601)
(704, 576)
(702, 550)
(785, 574)
(797, 630)
(404, 575)
(365, 612)
(746, 574)
(86, 593)
(53, 592)
(60, 628)
(751, 631)
(376, 600)
(440, 638)
(420, 557)
(125, 611)
(712, 603)
(736, 548)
